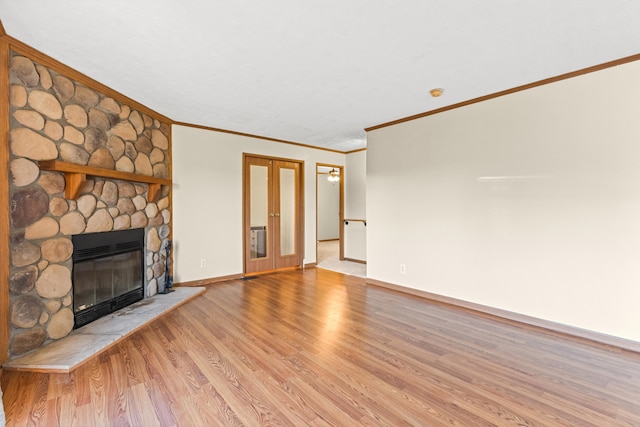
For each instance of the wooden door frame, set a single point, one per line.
(341, 169)
(245, 211)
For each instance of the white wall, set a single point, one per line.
(207, 198)
(355, 234)
(529, 202)
(328, 208)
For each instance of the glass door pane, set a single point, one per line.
(259, 210)
(287, 211)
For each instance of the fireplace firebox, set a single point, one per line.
(108, 273)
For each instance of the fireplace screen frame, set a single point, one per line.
(90, 247)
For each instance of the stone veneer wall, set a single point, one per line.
(54, 117)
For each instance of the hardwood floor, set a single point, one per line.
(318, 348)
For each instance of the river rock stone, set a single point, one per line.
(72, 223)
(155, 221)
(53, 130)
(152, 287)
(139, 202)
(76, 115)
(87, 205)
(163, 203)
(126, 206)
(98, 187)
(18, 96)
(122, 222)
(73, 135)
(25, 70)
(148, 121)
(153, 241)
(67, 300)
(44, 318)
(166, 215)
(58, 206)
(100, 221)
(126, 189)
(102, 158)
(156, 156)
(45, 103)
(136, 121)
(52, 182)
(28, 206)
(42, 229)
(160, 170)
(45, 77)
(53, 305)
(29, 118)
(94, 138)
(73, 154)
(143, 145)
(151, 209)
(130, 150)
(23, 281)
(26, 311)
(124, 164)
(110, 193)
(143, 165)
(86, 97)
(125, 131)
(61, 324)
(159, 139)
(63, 87)
(24, 253)
(54, 282)
(125, 110)
(115, 145)
(57, 250)
(27, 143)
(110, 105)
(27, 340)
(158, 269)
(113, 211)
(24, 172)
(139, 220)
(99, 119)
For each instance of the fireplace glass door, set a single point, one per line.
(102, 279)
(108, 273)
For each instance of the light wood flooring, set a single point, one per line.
(319, 348)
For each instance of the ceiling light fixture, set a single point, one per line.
(436, 92)
(334, 175)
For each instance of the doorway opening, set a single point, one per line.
(329, 213)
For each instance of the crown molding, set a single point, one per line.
(543, 82)
(249, 135)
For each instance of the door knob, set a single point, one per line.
(278, 214)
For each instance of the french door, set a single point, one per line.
(272, 213)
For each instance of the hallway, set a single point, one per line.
(329, 259)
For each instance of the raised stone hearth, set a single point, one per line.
(66, 354)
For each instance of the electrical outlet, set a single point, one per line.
(403, 269)
(203, 263)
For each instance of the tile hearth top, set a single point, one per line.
(81, 344)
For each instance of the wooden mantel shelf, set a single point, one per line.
(76, 175)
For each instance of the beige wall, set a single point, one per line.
(528, 202)
(207, 195)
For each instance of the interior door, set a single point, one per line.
(272, 214)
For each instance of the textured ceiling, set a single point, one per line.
(319, 72)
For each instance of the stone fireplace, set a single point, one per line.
(60, 115)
